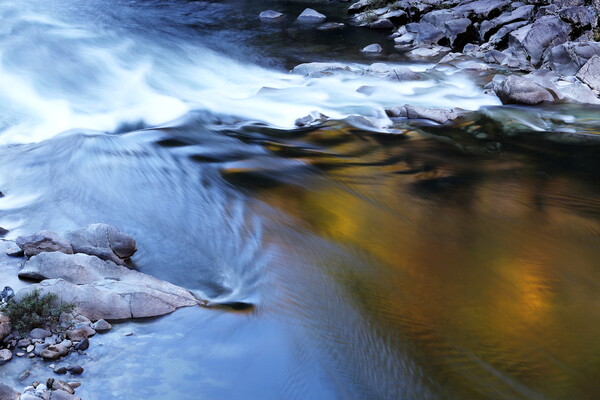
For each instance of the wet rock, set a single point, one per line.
(374, 48)
(396, 73)
(75, 369)
(439, 115)
(83, 345)
(51, 353)
(520, 90)
(8, 393)
(3, 231)
(313, 118)
(318, 69)
(101, 326)
(5, 356)
(60, 370)
(382, 23)
(310, 16)
(331, 26)
(44, 241)
(590, 72)
(15, 252)
(103, 241)
(39, 333)
(30, 348)
(270, 15)
(398, 17)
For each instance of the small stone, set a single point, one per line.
(51, 366)
(383, 23)
(5, 356)
(66, 343)
(20, 354)
(51, 353)
(62, 395)
(74, 385)
(50, 340)
(30, 348)
(101, 326)
(128, 334)
(24, 343)
(40, 387)
(60, 370)
(75, 369)
(50, 383)
(83, 345)
(374, 48)
(31, 355)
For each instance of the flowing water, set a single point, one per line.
(407, 261)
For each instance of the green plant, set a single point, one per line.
(36, 311)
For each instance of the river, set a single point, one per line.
(402, 261)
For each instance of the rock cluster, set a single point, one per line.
(552, 35)
(86, 268)
(51, 390)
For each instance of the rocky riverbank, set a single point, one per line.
(89, 269)
(525, 53)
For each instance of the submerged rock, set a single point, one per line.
(374, 48)
(439, 115)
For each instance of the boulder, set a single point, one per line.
(580, 16)
(426, 53)
(590, 73)
(80, 333)
(457, 31)
(489, 27)
(103, 241)
(568, 58)
(359, 6)
(382, 23)
(534, 39)
(577, 92)
(43, 241)
(8, 393)
(521, 90)
(482, 9)
(310, 16)
(425, 33)
(104, 290)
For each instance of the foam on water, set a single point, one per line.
(62, 75)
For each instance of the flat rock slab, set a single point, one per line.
(590, 72)
(101, 289)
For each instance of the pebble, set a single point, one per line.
(83, 345)
(5, 356)
(30, 348)
(128, 334)
(20, 354)
(39, 333)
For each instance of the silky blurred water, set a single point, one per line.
(421, 262)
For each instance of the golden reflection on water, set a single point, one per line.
(489, 266)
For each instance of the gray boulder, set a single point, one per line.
(521, 90)
(382, 23)
(8, 393)
(5, 356)
(103, 241)
(43, 241)
(590, 73)
(310, 16)
(425, 33)
(482, 9)
(456, 29)
(569, 57)
(103, 290)
(580, 16)
(534, 39)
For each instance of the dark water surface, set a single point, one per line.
(454, 263)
